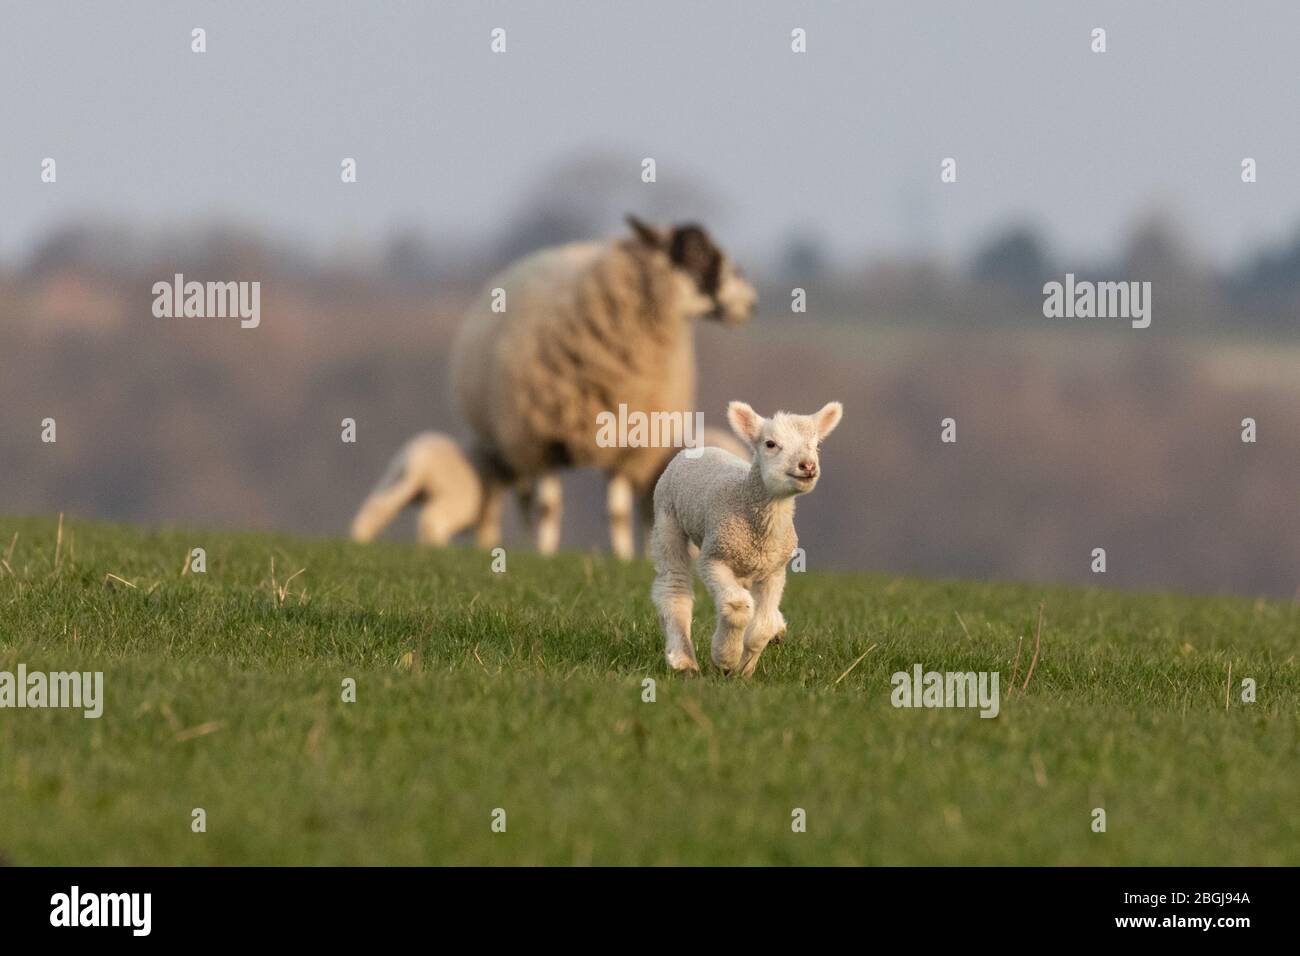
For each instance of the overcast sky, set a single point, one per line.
(843, 142)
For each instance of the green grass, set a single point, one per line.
(523, 690)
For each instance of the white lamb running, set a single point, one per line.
(741, 517)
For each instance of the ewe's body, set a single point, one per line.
(741, 518)
(587, 327)
(430, 471)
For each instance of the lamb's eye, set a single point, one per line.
(770, 443)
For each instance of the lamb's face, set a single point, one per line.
(786, 447)
(715, 286)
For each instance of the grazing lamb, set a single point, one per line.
(741, 517)
(584, 328)
(430, 471)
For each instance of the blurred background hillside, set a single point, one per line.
(818, 171)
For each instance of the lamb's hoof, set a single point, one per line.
(748, 664)
(776, 638)
(726, 666)
(687, 673)
(680, 662)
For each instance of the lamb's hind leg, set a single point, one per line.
(735, 610)
(673, 592)
(767, 623)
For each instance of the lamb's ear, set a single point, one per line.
(828, 418)
(647, 233)
(745, 422)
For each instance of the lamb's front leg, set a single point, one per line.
(767, 623)
(735, 610)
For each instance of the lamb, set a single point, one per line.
(741, 517)
(430, 470)
(584, 328)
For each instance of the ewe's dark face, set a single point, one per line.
(724, 294)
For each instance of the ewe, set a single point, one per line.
(581, 329)
(741, 517)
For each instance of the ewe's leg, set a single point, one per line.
(618, 502)
(767, 623)
(673, 593)
(540, 504)
(735, 610)
(550, 504)
(489, 523)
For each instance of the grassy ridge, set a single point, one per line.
(523, 690)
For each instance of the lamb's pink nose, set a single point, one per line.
(809, 468)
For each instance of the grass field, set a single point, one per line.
(523, 691)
